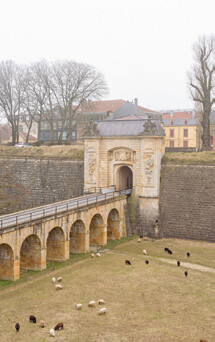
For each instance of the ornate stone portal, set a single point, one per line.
(127, 153)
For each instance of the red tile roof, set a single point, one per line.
(6, 134)
(148, 110)
(178, 115)
(102, 106)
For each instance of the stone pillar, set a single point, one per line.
(16, 269)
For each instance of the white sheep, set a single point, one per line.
(98, 255)
(102, 311)
(101, 302)
(53, 280)
(59, 279)
(92, 304)
(78, 306)
(139, 240)
(92, 255)
(51, 332)
(58, 287)
(144, 252)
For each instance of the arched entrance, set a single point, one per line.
(97, 231)
(55, 246)
(124, 178)
(113, 229)
(6, 262)
(30, 253)
(77, 237)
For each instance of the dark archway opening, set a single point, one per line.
(97, 231)
(113, 231)
(30, 253)
(125, 178)
(55, 245)
(6, 262)
(77, 237)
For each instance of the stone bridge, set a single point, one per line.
(30, 238)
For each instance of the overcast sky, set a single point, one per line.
(143, 47)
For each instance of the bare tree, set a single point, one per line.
(200, 81)
(11, 95)
(72, 84)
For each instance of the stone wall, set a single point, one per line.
(187, 202)
(46, 181)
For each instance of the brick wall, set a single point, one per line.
(47, 181)
(187, 202)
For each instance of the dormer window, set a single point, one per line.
(185, 122)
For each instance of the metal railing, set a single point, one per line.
(54, 209)
(96, 189)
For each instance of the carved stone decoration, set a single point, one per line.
(122, 155)
(92, 129)
(149, 128)
(91, 166)
(149, 170)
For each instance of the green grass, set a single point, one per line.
(205, 158)
(153, 303)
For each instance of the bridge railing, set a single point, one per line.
(54, 209)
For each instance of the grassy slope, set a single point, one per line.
(71, 152)
(205, 158)
(153, 303)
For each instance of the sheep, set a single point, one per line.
(51, 332)
(138, 240)
(166, 249)
(92, 304)
(59, 279)
(92, 255)
(144, 252)
(147, 262)
(127, 262)
(32, 319)
(101, 302)
(42, 324)
(59, 326)
(188, 254)
(58, 287)
(53, 280)
(17, 327)
(169, 251)
(178, 263)
(202, 340)
(186, 273)
(78, 306)
(141, 236)
(102, 311)
(98, 255)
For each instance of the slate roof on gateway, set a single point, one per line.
(113, 128)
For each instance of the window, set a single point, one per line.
(185, 122)
(185, 132)
(172, 133)
(171, 143)
(172, 122)
(185, 143)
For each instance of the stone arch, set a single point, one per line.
(124, 177)
(30, 253)
(6, 262)
(97, 231)
(113, 225)
(77, 237)
(55, 245)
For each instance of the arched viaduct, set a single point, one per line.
(55, 237)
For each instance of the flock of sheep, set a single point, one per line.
(92, 303)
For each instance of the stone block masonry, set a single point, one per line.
(187, 202)
(47, 181)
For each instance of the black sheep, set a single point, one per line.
(32, 319)
(147, 262)
(186, 273)
(166, 249)
(169, 251)
(178, 263)
(188, 254)
(127, 262)
(17, 327)
(59, 326)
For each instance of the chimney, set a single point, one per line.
(136, 101)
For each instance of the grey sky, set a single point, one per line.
(143, 47)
